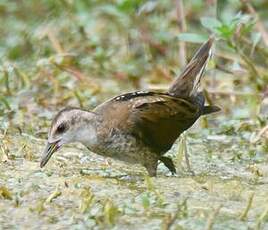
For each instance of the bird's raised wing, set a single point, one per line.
(159, 120)
(156, 119)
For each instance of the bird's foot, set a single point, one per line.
(169, 164)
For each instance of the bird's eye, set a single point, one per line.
(61, 128)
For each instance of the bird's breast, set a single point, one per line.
(124, 147)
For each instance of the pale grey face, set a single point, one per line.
(69, 125)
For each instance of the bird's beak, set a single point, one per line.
(49, 150)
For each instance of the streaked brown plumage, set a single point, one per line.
(137, 127)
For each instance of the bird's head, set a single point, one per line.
(69, 125)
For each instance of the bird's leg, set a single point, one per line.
(151, 167)
(184, 150)
(151, 171)
(168, 163)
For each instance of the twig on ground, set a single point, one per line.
(211, 219)
(54, 41)
(260, 134)
(259, 24)
(182, 29)
(244, 214)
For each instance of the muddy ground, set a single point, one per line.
(79, 189)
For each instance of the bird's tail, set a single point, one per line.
(207, 109)
(187, 84)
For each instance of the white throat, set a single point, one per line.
(86, 135)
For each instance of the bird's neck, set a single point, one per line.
(87, 132)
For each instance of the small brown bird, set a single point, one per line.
(138, 127)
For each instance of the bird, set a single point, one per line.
(137, 127)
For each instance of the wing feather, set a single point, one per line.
(156, 119)
(160, 121)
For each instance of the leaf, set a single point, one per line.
(128, 6)
(111, 212)
(3, 154)
(191, 37)
(145, 201)
(148, 7)
(5, 193)
(221, 4)
(149, 183)
(87, 200)
(53, 196)
(255, 37)
(242, 18)
(226, 31)
(210, 23)
(5, 102)
(39, 207)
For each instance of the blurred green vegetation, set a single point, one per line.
(55, 54)
(59, 53)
